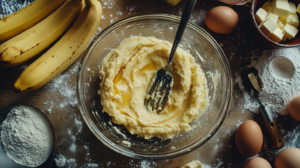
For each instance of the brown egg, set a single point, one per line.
(294, 108)
(249, 138)
(221, 19)
(288, 158)
(257, 162)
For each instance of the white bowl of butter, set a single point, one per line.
(126, 55)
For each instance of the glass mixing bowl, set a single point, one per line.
(207, 53)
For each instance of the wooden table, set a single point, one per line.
(240, 48)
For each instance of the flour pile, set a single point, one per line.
(279, 71)
(27, 136)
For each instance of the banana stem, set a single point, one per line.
(90, 3)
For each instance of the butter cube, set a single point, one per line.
(280, 25)
(270, 10)
(267, 5)
(281, 8)
(268, 27)
(260, 15)
(293, 20)
(290, 31)
(298, 8)
(292, 7)
(276, 35)
(283, 20)
(273, 17)
(274, 2)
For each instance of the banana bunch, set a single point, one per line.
(31, 42)
(26, 17)
(70, 26)
(64, 52)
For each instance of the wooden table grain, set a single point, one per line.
(240, 48)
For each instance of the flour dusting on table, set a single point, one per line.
(62, 84)
(276, 91)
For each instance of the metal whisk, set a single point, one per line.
(162, 82)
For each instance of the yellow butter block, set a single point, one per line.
(173, 2)
(260, 15)
(273, 17)
(280, 25)
(281, 8)
(274, 2)
(268, 27)
(267, 5)
(298, 8)
(292, 7)
(283, 20)
(290, 31)
(293, 20)
(277, 35)
(270, 10)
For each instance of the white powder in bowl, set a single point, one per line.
(26, 136)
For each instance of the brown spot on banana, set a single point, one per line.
(21, 52)
(4, 19)
(18, 89)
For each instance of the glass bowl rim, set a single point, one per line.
(218, 122)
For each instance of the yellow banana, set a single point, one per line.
(64, 52)
(26, 17)
(34, 40)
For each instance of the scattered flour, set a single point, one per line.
(147, 164)
(27, 136)
(78, 124)
(279, 71)
(73, 148)
(60, 160)
(67, 92)
(92, 165)
(279, 91)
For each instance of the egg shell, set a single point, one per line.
(221, 19)
(294, 108)
(288, 158)
(257, 162)
(249, 138)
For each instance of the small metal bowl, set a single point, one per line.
(4, 159)
(262, 37)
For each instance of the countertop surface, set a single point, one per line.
(76, 146)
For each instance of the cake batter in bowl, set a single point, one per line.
(206, 54)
